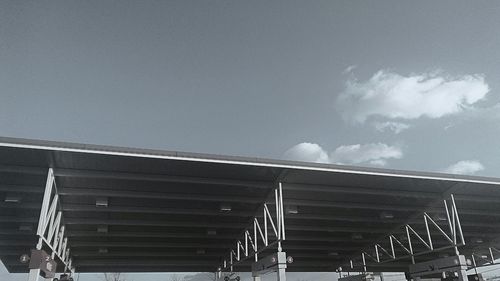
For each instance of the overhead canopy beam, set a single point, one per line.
(130, 176)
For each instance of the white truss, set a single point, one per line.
(50, 227)
(248, 246)
(455, 238)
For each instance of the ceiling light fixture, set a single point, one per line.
(12, 198)
(225, 208)
(292, 209)
(101, 202)
(386, 215)
(356, 236)
(102, 229)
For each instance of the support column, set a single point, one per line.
(462, 275)
(256, 278)
(34, 274)
(282, 272)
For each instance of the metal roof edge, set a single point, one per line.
(235, 160)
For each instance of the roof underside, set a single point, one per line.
(164, 207)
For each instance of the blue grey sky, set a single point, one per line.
(398, 84)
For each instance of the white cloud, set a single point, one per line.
(396, 127)
(307, 152)
(372, 153)
(465, 167)
(391, 95)
(375, 154)
(349, 69)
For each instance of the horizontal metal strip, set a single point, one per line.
(22, 188)
(202, 212)
(79, 173)
(385, 192)
(71, 191)
(218, 236)
(83, 173)
(148, 210)
(359, 190)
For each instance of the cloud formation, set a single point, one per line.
(307, 152)
(372, 153)
(375, 154)
(394, 96)
(396, 127)
(465, 167)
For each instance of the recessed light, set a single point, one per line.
(386, 215)
(211, 232)
(101, 202)
(292, 209)
(25, 227)
(332, 254)
(102, 229)
(356, 236)
(440, 217)
(225, 208)
(103, 250)
(12, 198)
(200, 252)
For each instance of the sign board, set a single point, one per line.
(40, 259)
(453, 263)
(269, 263)
(358, 277)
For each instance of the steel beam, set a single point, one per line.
(96, 192)
(80, 173)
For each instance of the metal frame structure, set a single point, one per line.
(455, 229)
(453, 264)
(51, 229)
(165, 210)
(260, 233)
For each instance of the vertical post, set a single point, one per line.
(364, 262)
(428, 232)
(278, 218)
(392, 247)
(34, 274)
(409, 244)
(265, 225)
(474, 263)
(462, 275)
(255, 239)
(281, 272)
(282, 212)
(458, 220)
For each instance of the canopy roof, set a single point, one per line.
(164, 207)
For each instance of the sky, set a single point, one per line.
(410, 85)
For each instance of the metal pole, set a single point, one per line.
(462, 275)
(34, 274)
(364, 262)
(281, 272)
(491, 255)
(282, 213)
(474, 263)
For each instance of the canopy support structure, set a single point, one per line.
(257, 239)
(51, 229)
